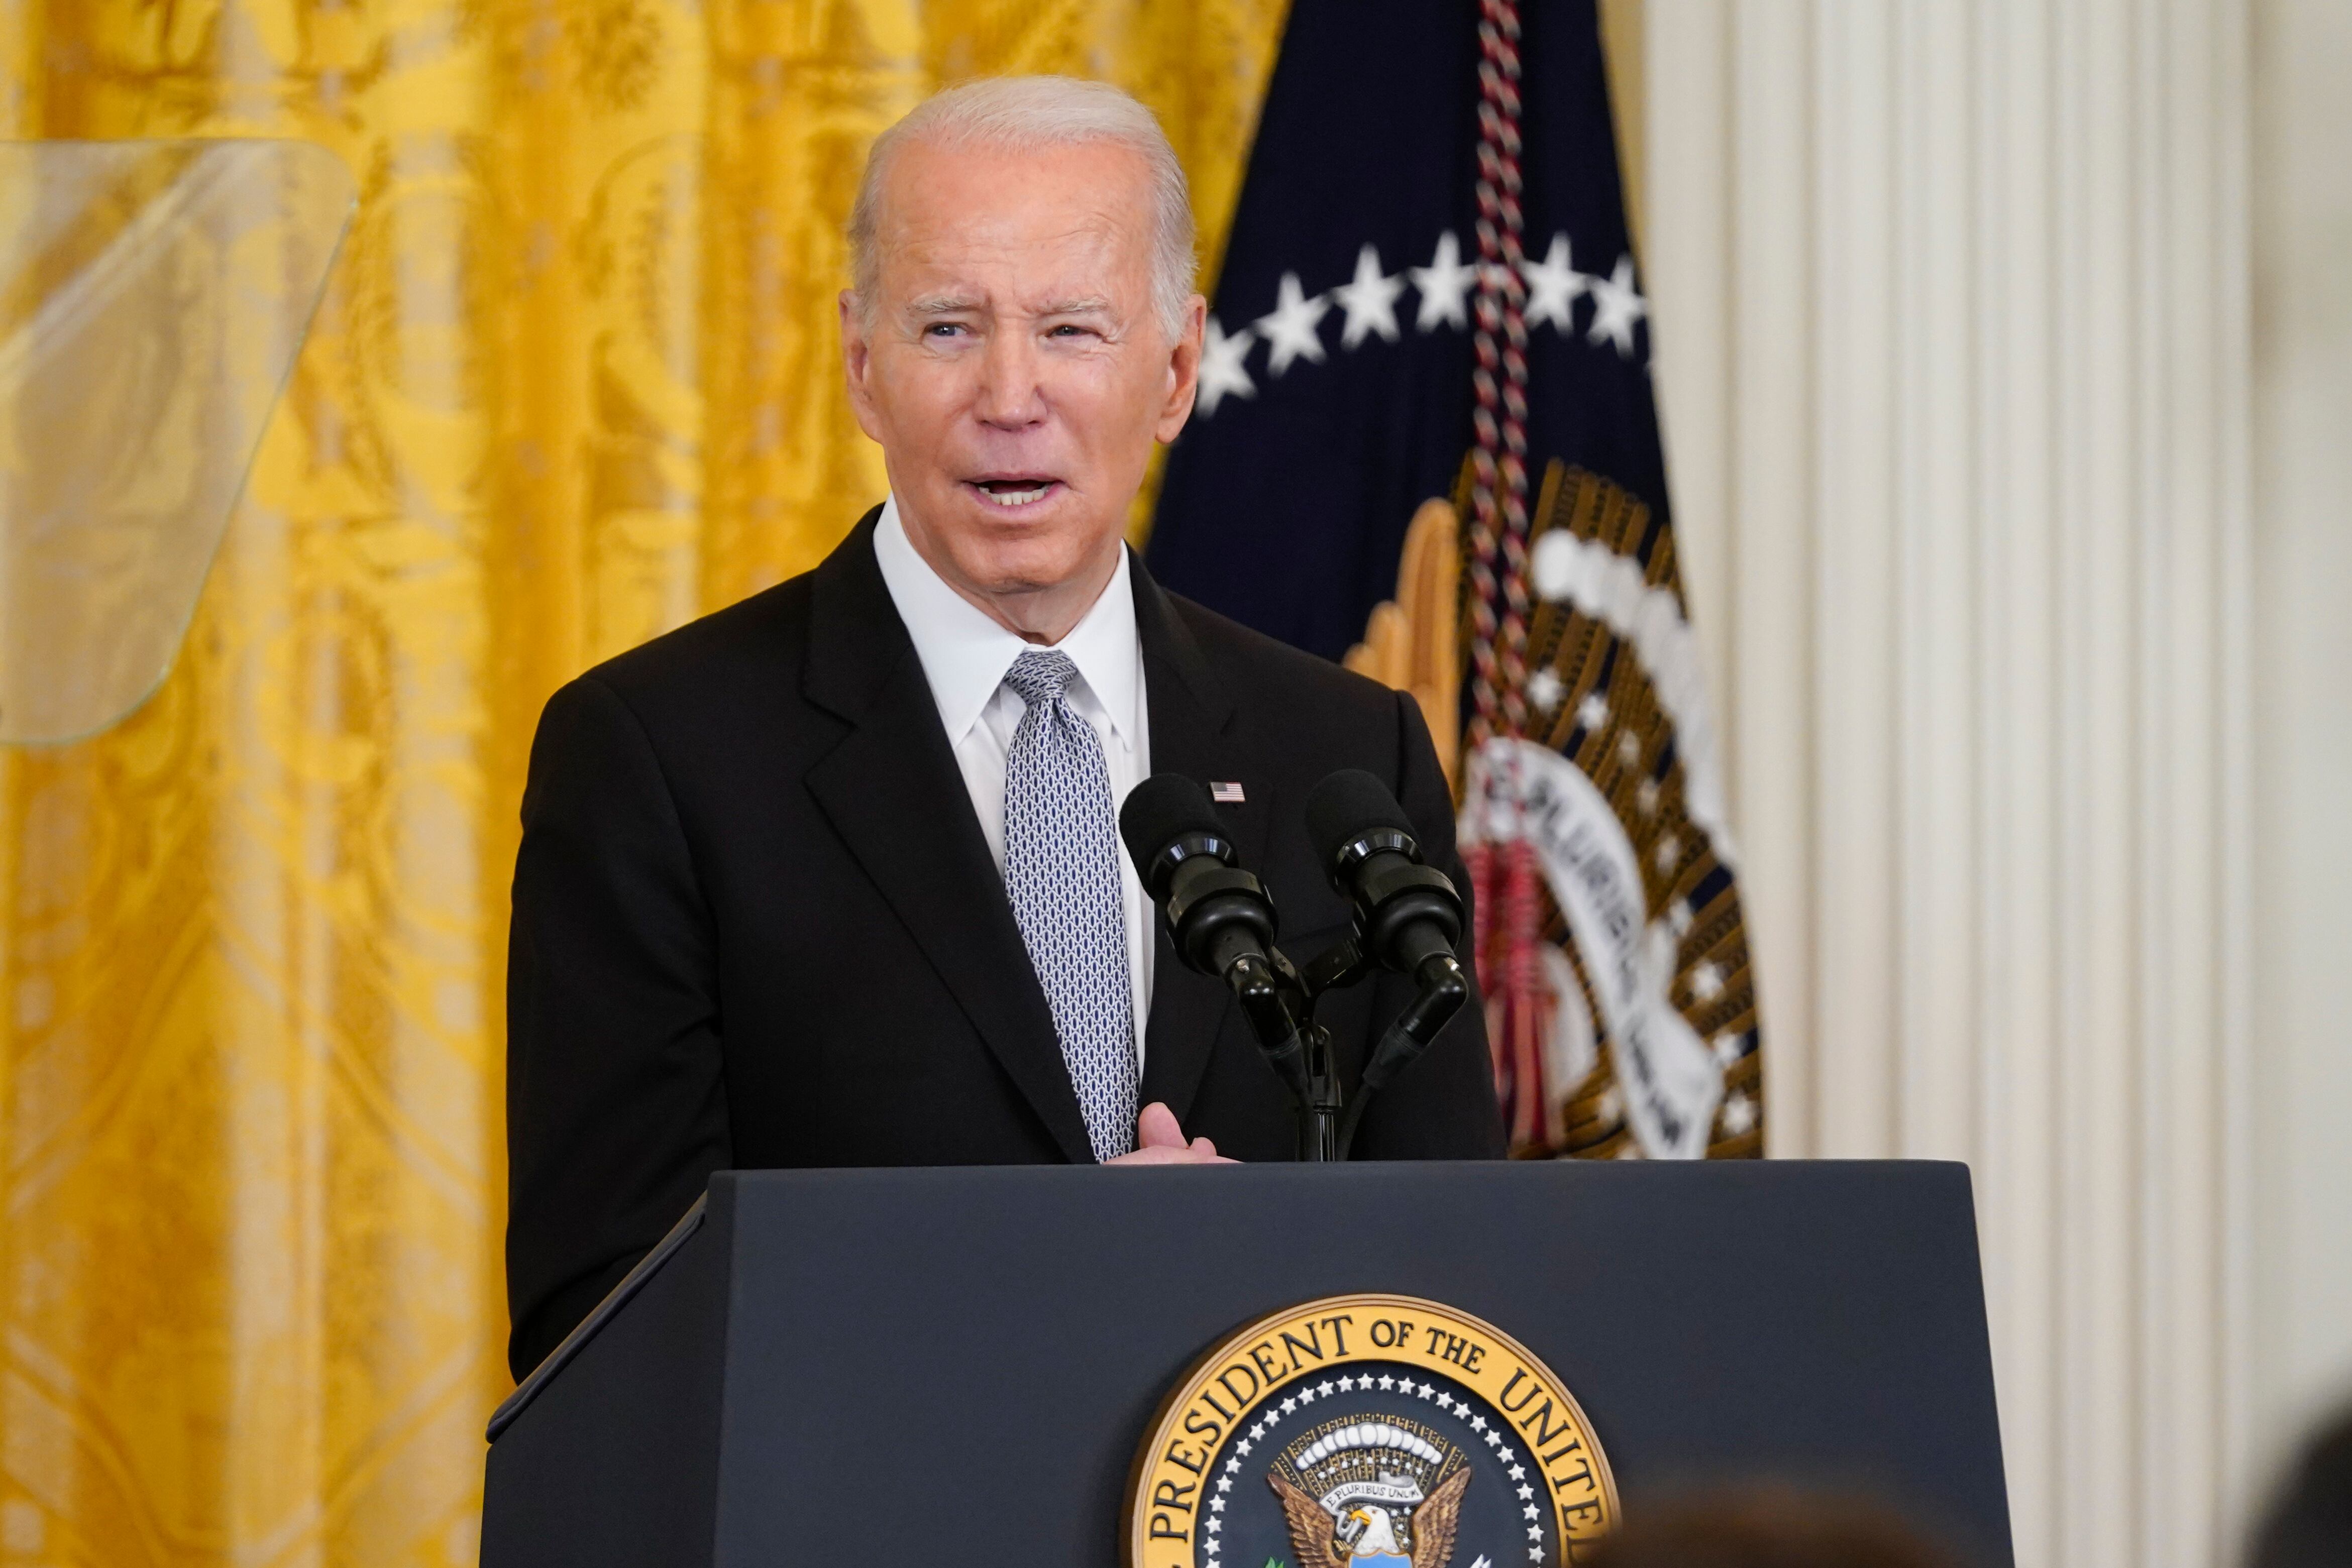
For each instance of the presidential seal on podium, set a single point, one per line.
(1368, 1431)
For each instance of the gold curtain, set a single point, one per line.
(574, 383)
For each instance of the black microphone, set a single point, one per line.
(1408, 918)
(1217, 913)
(1220, 917)
(1406, 912)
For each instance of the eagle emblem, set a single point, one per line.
(1368, 1431)
(1370, 1492)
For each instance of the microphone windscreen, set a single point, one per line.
(1163, 807)
(1347, 803)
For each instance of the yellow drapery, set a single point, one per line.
(573, 382)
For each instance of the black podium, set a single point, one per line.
(955, 1365)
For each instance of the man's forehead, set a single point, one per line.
(981, 206)
(934, 275)
(1109, 171)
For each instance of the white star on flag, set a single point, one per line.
(1553, 285)
(1223, 372)
(1616, 306)
(1444, 284)
(1290, 331)
(1369, 300)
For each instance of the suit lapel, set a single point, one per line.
(1191, 734)
(894, 792)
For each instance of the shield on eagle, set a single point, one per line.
(1371, 1494)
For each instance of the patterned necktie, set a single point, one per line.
(1061, 871)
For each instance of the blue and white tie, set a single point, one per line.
(1061, 871)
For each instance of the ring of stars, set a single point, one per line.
(1292, 331)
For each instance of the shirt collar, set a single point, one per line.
(965, 654)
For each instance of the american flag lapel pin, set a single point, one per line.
(1226, 794)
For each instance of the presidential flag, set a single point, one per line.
(1425, 443)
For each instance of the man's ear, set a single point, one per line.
(1183, 372)
(857, 363)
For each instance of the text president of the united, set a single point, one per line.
(831, 877)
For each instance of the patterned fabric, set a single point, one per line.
(1061, 871)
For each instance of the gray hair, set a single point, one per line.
(1021, 114)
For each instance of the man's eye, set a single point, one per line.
(1066, 330)
(943, 328)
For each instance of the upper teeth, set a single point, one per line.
(1021, 497)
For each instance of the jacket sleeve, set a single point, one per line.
(616, 1110)
(1443, 1107)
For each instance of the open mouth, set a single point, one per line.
(1020, 491)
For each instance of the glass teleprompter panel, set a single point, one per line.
(152, 297)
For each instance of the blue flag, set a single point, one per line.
(1430, 295)
(1336, 395)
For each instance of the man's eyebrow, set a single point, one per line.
(1092, 304)
(941, 305)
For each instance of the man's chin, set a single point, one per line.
(1009, 567)
(1019, 573)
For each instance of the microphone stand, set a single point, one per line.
(1281, 1013)
(1279, 1003)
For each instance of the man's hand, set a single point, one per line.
(1158, 1141)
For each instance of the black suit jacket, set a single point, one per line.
(756, 925)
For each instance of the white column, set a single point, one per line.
(2303, 715)
(1953, 327)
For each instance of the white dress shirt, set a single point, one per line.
(966, 656)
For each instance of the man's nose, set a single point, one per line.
(1010, 397)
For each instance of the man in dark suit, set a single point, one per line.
(831, 877)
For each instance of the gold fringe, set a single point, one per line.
(1412, 641)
